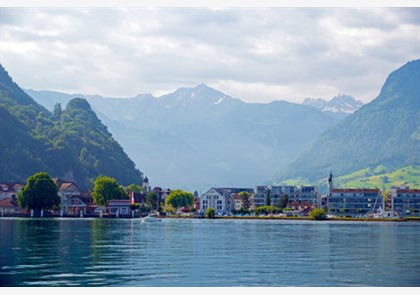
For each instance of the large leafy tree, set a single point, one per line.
(40, 192)
(245, 199)
(180, 198)
(106, 188)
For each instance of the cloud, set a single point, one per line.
(256, 54)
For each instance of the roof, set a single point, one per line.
(8, 202)
(298, 203)
(119, 202)
(11, 186)
(67, 185)
(355, 190)
(59, 182)
(409, 191)
(236, 197)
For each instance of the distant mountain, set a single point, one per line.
(385, 131)
(199, 137)
(71, 144)
(339, 106)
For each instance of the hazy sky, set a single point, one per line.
(255, 54)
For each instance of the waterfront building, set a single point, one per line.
(307, 193)
(405, 201)
(293, 193)
(217, 198)
(9, 205)
(10, 189)
(354, 201)
(237, 202)
(258, 199)
(68, 191)
(119, 208)
(301, 208)
(79, 205)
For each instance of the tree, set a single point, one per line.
(135, 188)
(267, 209)
(267, 198)
(153, 200)
(210, 213)
(318, 214)
(245, 199)
(283, 202)
(106, 188)
(57, 112)
(179, 199)
(40, 192)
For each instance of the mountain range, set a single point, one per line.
(384, 132)
(196, 138)
(339, 106)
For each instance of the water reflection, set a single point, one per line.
(205, 253)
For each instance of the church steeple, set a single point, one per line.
(146, 183)
(330, 182)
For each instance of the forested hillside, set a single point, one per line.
(72, 143)
(383, 132)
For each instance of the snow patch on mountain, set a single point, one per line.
(339, 105)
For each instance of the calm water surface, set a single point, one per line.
(207, 253)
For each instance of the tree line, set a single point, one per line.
(41, 193)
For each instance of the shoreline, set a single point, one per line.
(415, 219)
(407, 219)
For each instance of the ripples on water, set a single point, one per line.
(207, 253)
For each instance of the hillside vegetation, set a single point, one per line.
(384, 132)
(71, 144)
(378, 177)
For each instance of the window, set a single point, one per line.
(219, 202)
(113, 210)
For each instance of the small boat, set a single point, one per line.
(151, 218)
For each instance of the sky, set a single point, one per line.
(257, 54)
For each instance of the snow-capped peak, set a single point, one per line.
(344, 104)
(199, 95)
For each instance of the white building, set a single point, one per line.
(294, 194)
(218, 199)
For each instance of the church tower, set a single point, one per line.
(330, 183)
(146, 184)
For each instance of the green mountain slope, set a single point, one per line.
(72, 144)
(383, 132)
(380, 177)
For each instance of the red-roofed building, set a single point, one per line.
(9, 205)
(10, 189)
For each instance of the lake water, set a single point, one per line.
(207, 253)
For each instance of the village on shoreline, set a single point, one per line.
(279, 202)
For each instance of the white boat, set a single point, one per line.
(151, 218)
